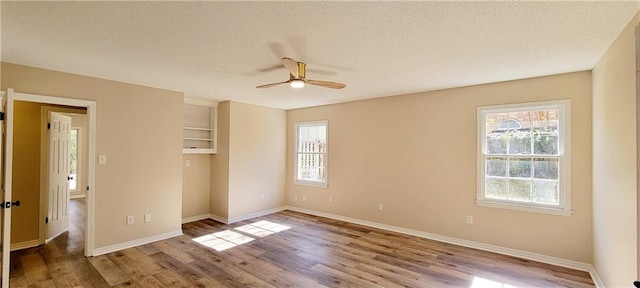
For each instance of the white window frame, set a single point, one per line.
(321, 184)
(564, 158)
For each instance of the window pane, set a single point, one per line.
(520, 141)
(495, 188)
(311, 167)
(546, 191)
(520, 190)
(545, 168)
(493, 121)
(523, 118)
(497, 143)
(545, 143)
(520, 167)
(496, 166)
(546, 120)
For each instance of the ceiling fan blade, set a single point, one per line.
(333, 85)
(291, 65)
(271, 85)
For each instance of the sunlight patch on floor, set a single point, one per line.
(223, 240)
(226, 239)
(486, 283)
(262, 228)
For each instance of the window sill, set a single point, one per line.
(526, 208)
(311, 183)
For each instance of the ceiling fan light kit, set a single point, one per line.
(297, 77)
(296, 83)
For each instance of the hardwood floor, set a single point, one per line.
(285, 249)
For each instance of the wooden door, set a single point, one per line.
(59, 131)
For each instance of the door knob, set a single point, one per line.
(9, 204)
(69, 178)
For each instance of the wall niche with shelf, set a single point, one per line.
(200, 128)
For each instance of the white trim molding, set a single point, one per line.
(462, 242)
(136, 242)
(195, 218)
(231, 220)
(24, 244)
(255, 214)
(54, 236)
(220, 219)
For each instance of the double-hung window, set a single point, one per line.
(311, 153)
(524, 157)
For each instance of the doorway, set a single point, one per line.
(90, 108)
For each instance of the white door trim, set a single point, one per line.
(91, 148)
(8, 162)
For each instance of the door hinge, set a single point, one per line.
(46, 220)
(48, 125)
(1, 116)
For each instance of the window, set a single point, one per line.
(311, 153)
(524, 157)
(73, 165)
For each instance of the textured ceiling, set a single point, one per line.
(222, 50)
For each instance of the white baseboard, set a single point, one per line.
(195, 218)
(462, 242)
(226, 220)
(219, 218)
(136, 242)
(77, 195)
(24, 244)
(256, 214)
(596, 277)
(54, 236)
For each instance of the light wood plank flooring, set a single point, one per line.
(285, 249)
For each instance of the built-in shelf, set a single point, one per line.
(200, 127)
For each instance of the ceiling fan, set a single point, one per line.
(297, 77)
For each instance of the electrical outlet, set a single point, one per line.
(147, 218)
(330, 199)
(469, 219)
(380, 206)
(130, 220)
(295, 198)
(304, 198)
(262, 196)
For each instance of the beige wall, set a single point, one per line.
(614, 162)
(257, 159)
(416, 154)
(219, 205)
(250, 162)
(196, 185)
(139, 129)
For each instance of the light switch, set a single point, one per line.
(102, 159)
(187, 163)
